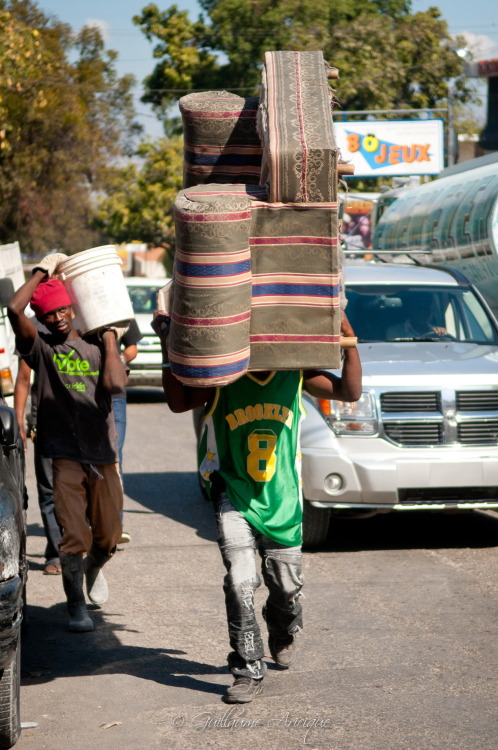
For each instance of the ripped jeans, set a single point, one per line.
(281, 570)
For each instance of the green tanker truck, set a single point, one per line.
(453, 221)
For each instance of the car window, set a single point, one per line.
(476, 321)
(143, 298)
(401, 312)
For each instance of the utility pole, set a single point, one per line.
(452, 139)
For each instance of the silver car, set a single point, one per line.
(145, 369)
(424, 434)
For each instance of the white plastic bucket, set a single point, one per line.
(95, 283)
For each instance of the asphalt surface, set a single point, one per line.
(399, 650)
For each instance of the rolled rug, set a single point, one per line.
(221, 141)
(210, 323)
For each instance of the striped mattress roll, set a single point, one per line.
(210, 323)
(295, 127)
(221, 140)
(296, 315)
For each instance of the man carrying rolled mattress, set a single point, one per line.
(249, 462)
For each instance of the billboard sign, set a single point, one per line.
(392, 147)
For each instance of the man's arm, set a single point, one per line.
(128, 343)
(129, 353)
(347, 386)
(179, 397)
(21, 390)
(22, 325)
(114, 376)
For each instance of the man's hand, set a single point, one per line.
(346, 328)
(160, 323)
(119, 330)
(50, 263)
(24, 437)
(440, 331)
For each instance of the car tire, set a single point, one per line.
(10, 681)
(316, 523)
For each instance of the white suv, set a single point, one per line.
(145, 369)
(424, 434)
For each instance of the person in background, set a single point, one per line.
(77, 376)
(43, 468)
(249, 461)
(127, 347)
(419, 321)
(356, 232)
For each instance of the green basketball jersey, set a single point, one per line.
(250, 436)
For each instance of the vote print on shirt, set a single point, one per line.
(71, 364)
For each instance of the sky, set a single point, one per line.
(477, 21)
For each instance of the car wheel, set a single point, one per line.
(25, 612)
(315, 525)
(10, 680)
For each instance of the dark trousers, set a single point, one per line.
(119, 409)
(44, 486)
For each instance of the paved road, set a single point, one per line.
(399, 650)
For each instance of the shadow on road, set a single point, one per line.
(67, 654)
(417, 530)
(173, 494)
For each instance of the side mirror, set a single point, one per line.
(6, 291)
(9, 429)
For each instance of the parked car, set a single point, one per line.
(145, 369)
(424, 434)
(13, 572)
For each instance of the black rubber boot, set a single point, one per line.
(72, 579)
(96, 585)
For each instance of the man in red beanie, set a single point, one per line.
(76, 377)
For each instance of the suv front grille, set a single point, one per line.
(422, 433)
(447, 417)
(477, 400)
(447, 495)
(409, 402)
(478, 432)
(149, 343)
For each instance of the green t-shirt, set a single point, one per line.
(250, 437)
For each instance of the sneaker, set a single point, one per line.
(125, 538)
(243, 690)
(282, 650)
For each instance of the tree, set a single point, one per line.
(139, 201)
(62, 123)
(387, 56)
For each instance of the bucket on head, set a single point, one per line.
(96, 285)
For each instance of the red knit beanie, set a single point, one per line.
(49, 296)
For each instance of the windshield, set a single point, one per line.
(143, 298)
(425, 313)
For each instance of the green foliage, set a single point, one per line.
(183, 60)
(139, 202)
(387, 56)
(65, 115)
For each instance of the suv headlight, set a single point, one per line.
(350, 418)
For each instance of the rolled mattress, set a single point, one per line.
(220, 137)
(211, 309)
(256, 285)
